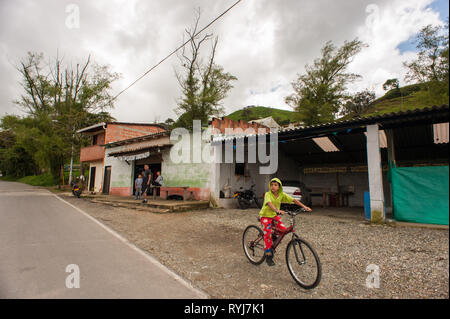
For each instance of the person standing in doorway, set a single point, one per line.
(147, 178)
(138, 186)
(158, 183)
(159, 179)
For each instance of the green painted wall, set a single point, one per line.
(185, 174)
(121, 180)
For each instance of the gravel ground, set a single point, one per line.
(205, 248)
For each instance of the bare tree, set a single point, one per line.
(204, 84)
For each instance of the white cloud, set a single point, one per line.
(386, 26)
(264, 43)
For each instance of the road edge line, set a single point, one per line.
(150, 258)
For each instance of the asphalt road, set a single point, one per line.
(49, 248)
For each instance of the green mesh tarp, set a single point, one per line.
(420, 194)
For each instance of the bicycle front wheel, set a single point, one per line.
(303, 263)
(253, 244)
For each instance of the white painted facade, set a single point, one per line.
(98, 182)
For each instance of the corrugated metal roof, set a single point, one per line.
(388, 120)
(105, 124)
(440, 132)
(325, 144)
(373, 119)
(382, 138)
(92, 127)
(137, 139)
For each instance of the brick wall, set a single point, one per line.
(92, 153)
(224, 123)
(100, 139)
(119, 132)
(115, 132)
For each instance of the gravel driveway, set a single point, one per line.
(205, 247)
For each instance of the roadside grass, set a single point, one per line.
(45, 180)
(34, 180)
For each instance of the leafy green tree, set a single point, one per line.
(432, 64)
(204, 84)
(320, 92)
(391, 84)
(359, 104)
(58, 100)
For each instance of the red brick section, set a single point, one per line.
(115, 132)
(119, 132)
(225, 122)
(100, 139)
(121, 191)
(92, 153)
(198, 193)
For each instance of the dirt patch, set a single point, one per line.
(205, 247)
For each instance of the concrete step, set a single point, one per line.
(157, 206)
(140, 207)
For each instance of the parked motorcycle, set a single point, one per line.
(246, 197)
(76, 189)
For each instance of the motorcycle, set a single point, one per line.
(246, 197)
(76, 189)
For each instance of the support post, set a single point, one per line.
(391, 163)
(374, 166)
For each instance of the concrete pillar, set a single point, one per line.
(375, 174)
(392, 163)
(214, 177)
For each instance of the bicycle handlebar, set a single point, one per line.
(295, 212)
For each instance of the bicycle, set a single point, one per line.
(301, 258)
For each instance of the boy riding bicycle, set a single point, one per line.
(270, 212)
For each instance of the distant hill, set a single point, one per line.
(409, 97)
(249, 113)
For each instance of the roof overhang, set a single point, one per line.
(138, 154)
(134, 140)
(93, 128)
(433, 115)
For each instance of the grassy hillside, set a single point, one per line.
(258, 112)
(409, 97)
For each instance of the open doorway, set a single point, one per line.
(154, 163)
(107, 180)
(92, 179)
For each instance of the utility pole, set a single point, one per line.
(71, 160)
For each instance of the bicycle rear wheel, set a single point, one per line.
(303, 263)
(253, 244)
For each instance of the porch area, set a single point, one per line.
(157, 205)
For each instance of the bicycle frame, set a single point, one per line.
(281, 235)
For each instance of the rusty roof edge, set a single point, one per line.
(427, 111)
(139, 150)
(85, 129)
(135, 139)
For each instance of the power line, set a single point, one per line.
(174, 51)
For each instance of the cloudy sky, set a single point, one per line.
(264, 43)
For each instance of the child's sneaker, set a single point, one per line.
(269, 260)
